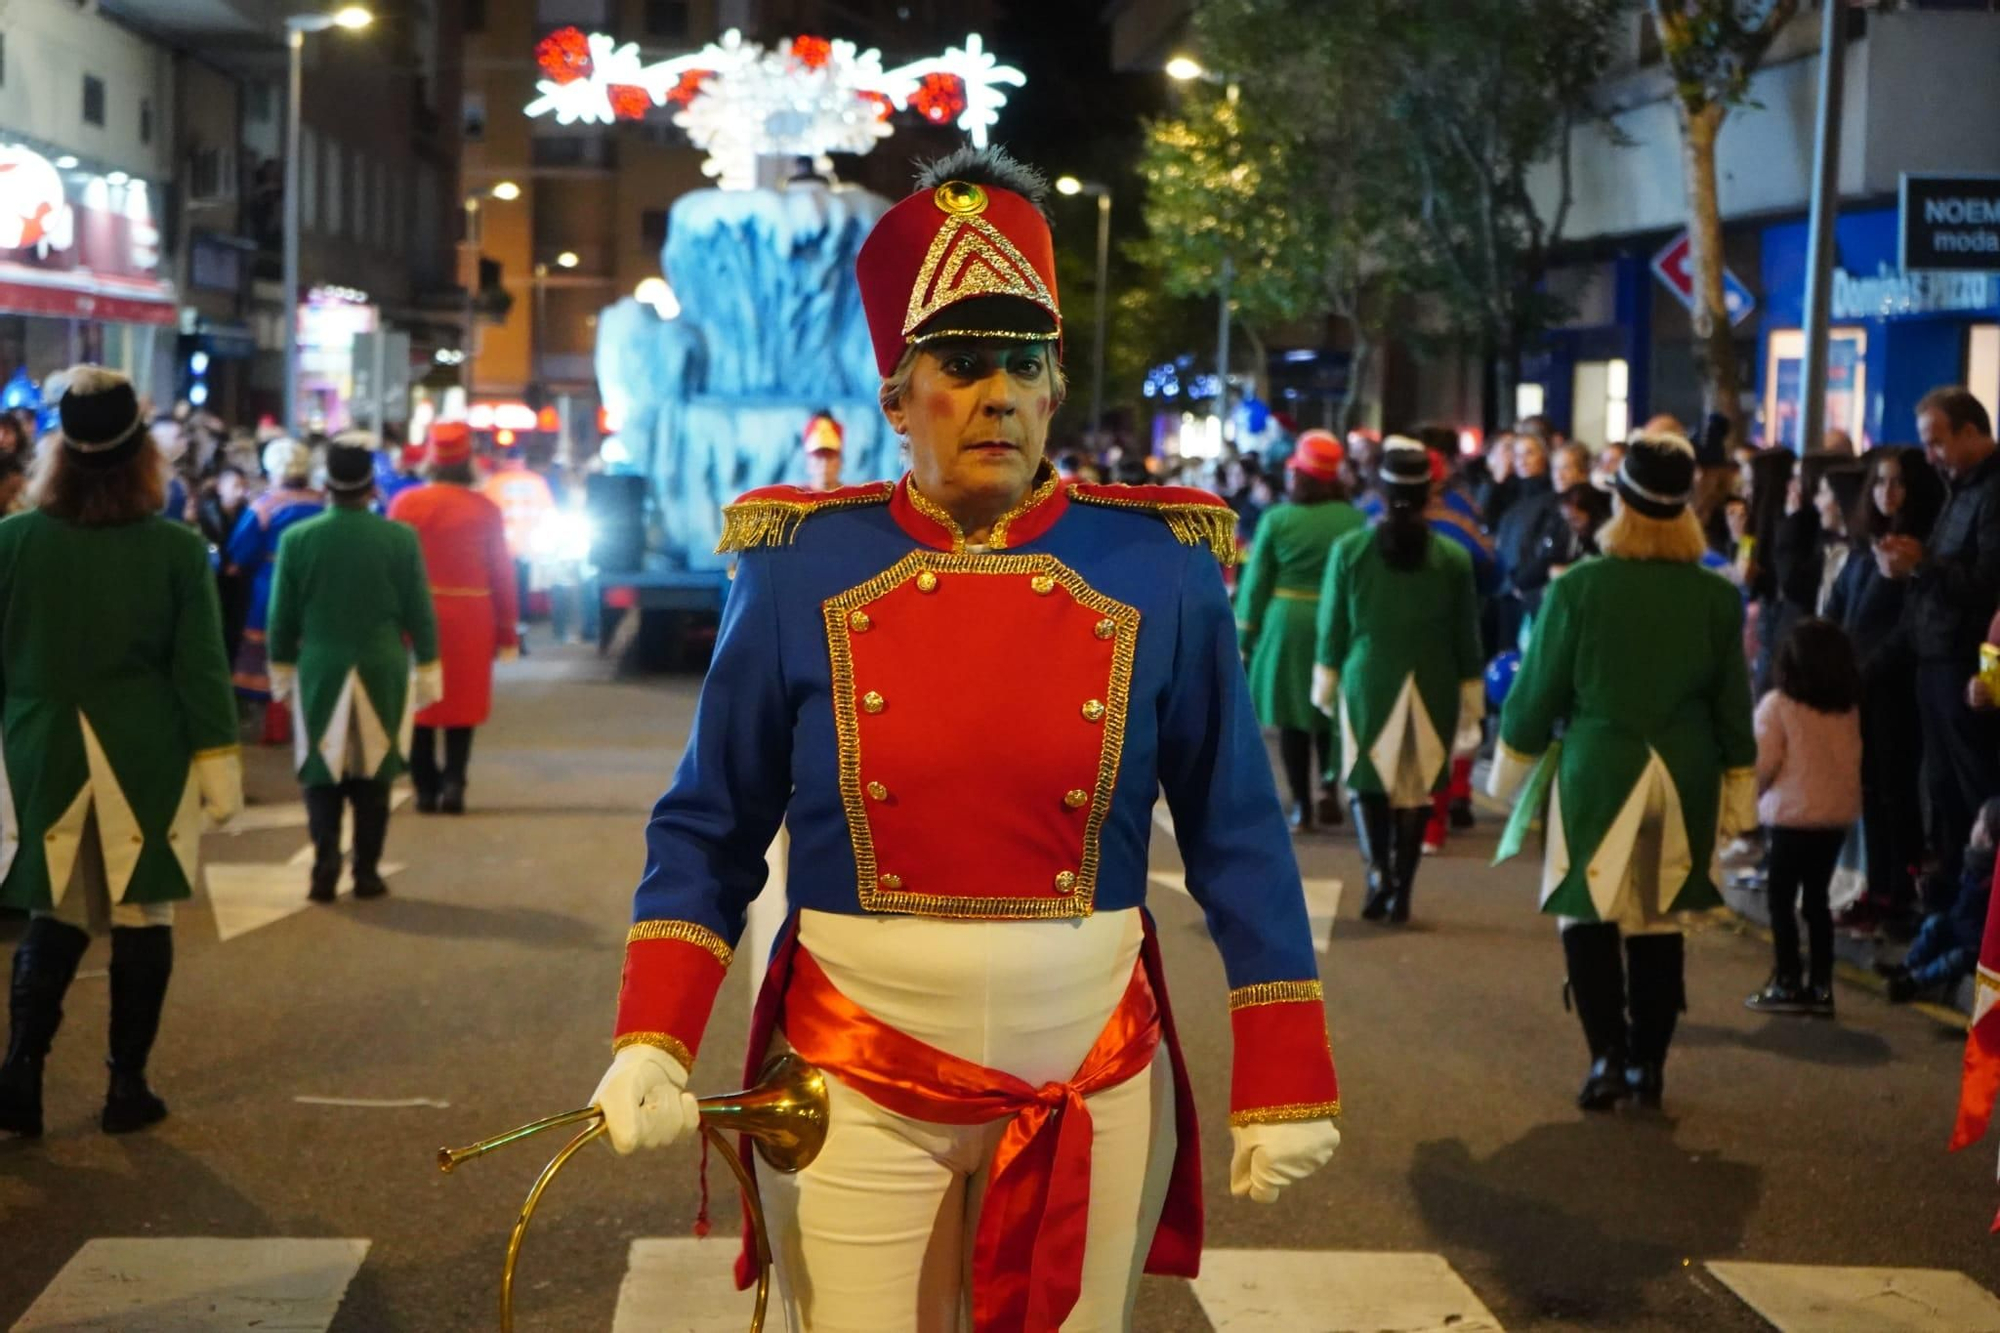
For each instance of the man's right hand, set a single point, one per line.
(644, 1099)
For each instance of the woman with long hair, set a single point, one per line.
(1400, 660)
(1276, 605)
(1637, 661)
(1901, 495)
(120, 734)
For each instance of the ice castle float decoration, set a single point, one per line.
(711, 401)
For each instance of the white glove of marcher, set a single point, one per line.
(645, 1099)
(1471, 712)
(284, 679)
(1325, 689)
(1266, 1158)
(426, 685)
(219, 776)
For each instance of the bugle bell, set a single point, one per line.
(784, 1115)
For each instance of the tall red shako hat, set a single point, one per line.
(968, 255)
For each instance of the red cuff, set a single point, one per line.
(1284, 1063)
(672, 971)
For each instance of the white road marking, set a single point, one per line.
(1300, 1291)
(197, 1285)
(247, 897)
(258, 818)
(373, 1103)
(1322, 902)
(686, 1286)
(1813, 1298)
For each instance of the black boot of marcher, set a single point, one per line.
(1655, 968)
(1372, 831)
(371, 830)
(424, 768)
(457, 755)
(1597, 987)
(44, 965)
(142, 959)
(1407, 854)
(323, 812)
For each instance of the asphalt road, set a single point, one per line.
(482, 990)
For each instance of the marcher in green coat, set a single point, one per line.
(1399, 658)
(1638, 657)
(120, 733)
(353, 634)
(1277, 605)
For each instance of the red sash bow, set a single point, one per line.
(1027, 1256)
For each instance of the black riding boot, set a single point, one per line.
(1655, 978)
(323, 811)
(1372, 832)
(371, 831)
(44, 965)
(457, 754)
(142, 958)
(1597, 986)
(424, 768)
(1408, 855)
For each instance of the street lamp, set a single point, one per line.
(505, 191)
(1184, 68)
(352, 18)
(475, 241)
(567, 259)
(1070, 185)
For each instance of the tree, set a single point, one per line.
(1712, 47)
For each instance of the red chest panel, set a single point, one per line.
(980, 703)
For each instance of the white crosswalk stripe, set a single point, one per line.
(197, 1285)
(1817, 1298)
(1306, 1291)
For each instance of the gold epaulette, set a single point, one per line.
(771, 515)
(1195, 517)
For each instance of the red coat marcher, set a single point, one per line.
(472, 585)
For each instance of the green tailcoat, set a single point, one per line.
(1277, 607)
(350, 610)
(1402, 641)
(114, 681)
(1643, 660)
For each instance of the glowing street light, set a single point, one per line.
(567, 259)
(505, 191)
(353, 18)
(1068, 185)
(1184, 69)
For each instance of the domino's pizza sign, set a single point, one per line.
(1674, 267)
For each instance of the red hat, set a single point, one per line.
(823, 434)
(1317, 454)
(451, 442)
(959, 259)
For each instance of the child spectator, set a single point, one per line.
(1947, 947)
(1809, 792)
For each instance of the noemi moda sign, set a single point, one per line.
(1949, 223)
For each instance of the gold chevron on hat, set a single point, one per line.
(970, 257)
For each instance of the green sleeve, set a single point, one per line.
(1253, 591)
(1735, 734)
(281, 625)
(419, 617)
(1545, 686)
(201, 671)
(1471, 655)
(1334, 628)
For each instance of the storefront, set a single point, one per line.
(1894, 335)
(79, 271)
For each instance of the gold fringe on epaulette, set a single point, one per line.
(1204, 525)
(760, 523)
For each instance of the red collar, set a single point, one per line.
(928, 522)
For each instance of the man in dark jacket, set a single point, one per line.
(1535, 539)
(1955, 586)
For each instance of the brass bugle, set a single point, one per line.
(784, 1115)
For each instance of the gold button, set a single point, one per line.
(138, 839)
(1066, 882)
(927, 582)
(1106, 628)
(50, 836)
(877, 792)
(1093, 711)
(1043, 585)
(871, 702)
(892, 881)
(1076, 798)
(173, 835)
(860, 621)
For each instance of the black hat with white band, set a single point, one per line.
(1657, 476)
(101, 425)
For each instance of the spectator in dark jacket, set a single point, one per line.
(1901, 495)
(1767, 484)
(1954, 587)
(1535, 538)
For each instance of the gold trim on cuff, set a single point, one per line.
(659, 1041)
(1274, 992)
(218, 752)
(685, 931)
(1287, 1114)
(1739, 774)
(1524, 760)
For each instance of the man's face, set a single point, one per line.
(1951, 451)
(1531, 458)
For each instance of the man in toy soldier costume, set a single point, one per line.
(120, 733)
(1640, 655)
(1011, 1126)
(348, 595)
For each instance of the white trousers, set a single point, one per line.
(876, 1235)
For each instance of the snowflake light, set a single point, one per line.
(738, 101)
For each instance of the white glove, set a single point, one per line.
(219, 775)
(1471, 712)
(1266, 1158)
(1510, 770)
(426, 686)
(1739, 802)
(1325, 689)
(645, 1099)
(284, 681)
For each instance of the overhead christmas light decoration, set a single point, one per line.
(739, 101)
